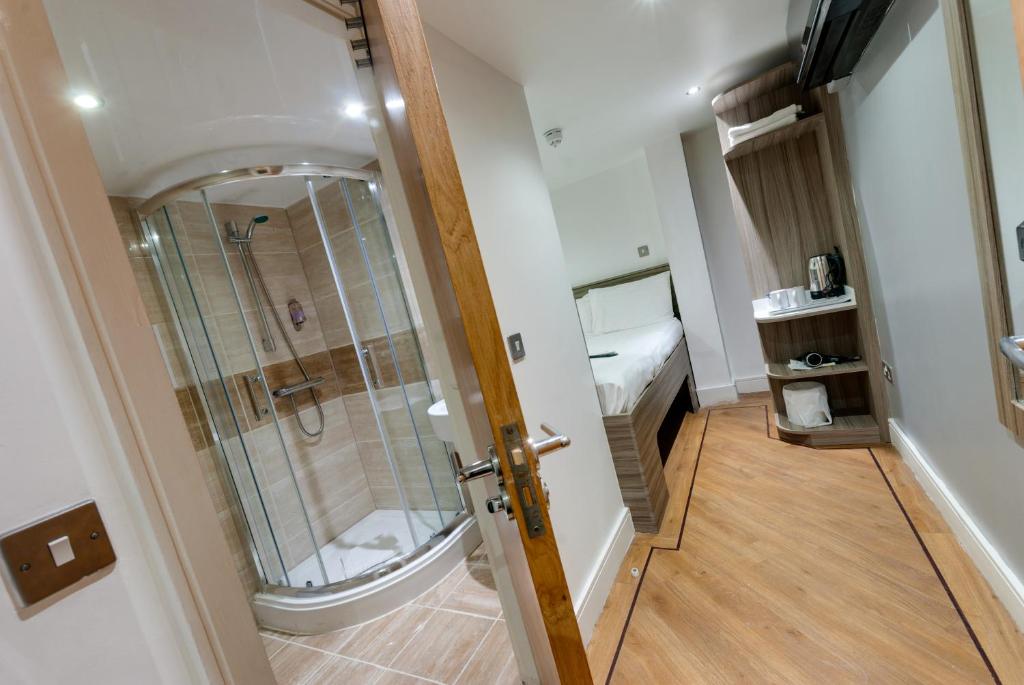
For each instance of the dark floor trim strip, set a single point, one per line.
(938, 573)
(650, 552)
(682, 527)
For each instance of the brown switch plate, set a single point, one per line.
(30, 564)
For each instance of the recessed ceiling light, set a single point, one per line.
(693, 90)
(87, 101)
(354, 110)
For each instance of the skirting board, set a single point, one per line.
(599, 585)
(1003, 581)
(717, 394)
(752, 384)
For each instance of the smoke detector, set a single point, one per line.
(553, 136)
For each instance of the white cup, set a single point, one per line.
(798, 296)
(779, 299)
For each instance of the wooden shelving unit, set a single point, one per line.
(844, 431)
(781, 371)
(801, 127)
(792, 195)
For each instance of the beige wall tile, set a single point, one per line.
(304, 229)
(337, 434)
(196, 228)
(173, 352)
(332, 320)
(284, 277)
(318, 271)
(216, 283)
(378, 475)
(146, 277)
(361, 418)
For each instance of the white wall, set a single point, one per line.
(690, 277)
(58, 449)
(721, 238)
(905, 157)
(515, 227)
(604, 218)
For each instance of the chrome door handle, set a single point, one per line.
(259, 411)
(371, 366)
(554, 441)
(1011, 348)
(478, 469)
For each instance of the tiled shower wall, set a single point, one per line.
(342, 474)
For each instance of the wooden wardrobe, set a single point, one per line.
(793, 199)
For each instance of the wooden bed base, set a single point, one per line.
(633, 439)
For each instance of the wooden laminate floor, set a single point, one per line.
(783, 564)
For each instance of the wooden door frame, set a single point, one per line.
(83, 237)
(984, 222)
(432, 185)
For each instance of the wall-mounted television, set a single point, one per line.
(835, 36)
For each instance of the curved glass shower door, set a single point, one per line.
(412, 480)
(306, 373)
(245, 444)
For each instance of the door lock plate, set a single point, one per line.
(526, 502)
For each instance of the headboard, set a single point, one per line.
(581, 290)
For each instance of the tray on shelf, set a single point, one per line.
(763, 312)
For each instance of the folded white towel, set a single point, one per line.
(780, 123)
(763, 125)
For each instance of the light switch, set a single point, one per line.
(60, 550)
(643, 251)
(515, 346)
(55, 552)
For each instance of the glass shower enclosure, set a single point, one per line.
(301, 356)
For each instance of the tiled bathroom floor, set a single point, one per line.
(452, 634)
(379, 536)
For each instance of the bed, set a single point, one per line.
(646, 389)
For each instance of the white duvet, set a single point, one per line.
(642, 352)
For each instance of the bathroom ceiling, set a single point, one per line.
(614, 73)
(192, 87)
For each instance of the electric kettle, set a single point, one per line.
(827, 274)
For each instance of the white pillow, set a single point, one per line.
(584, 309)
(631, 305)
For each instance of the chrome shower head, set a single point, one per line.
(259, 219)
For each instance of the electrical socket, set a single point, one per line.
(888, 373)
(643, 251)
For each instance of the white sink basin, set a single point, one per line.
(441, 422)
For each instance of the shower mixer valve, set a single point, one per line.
(297, 313)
